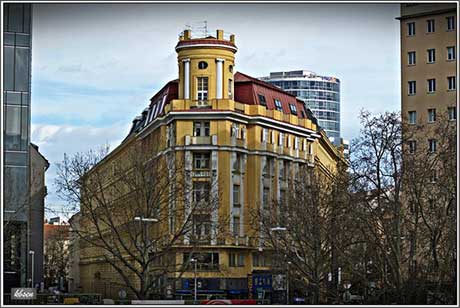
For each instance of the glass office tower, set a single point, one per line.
(16, 130)
(321, 95)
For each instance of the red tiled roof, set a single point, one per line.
(248, 89)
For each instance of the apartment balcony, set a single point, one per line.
(201, 173)
(201, 140)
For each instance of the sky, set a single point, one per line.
(95, 66)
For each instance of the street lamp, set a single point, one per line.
(195, 261)
(287, 283)
(32, 255)
(278, 228)
(145, 219)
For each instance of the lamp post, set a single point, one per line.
(287, 283)
(144, 235)
(195, 261)
(281, 229)
(32, 255)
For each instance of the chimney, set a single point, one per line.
(220, 35)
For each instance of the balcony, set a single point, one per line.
(201, 173)
(200, 140)
(195, 104)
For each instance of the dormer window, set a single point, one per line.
(202, 65)
(278, 105)
(293, 109)
(262, 100)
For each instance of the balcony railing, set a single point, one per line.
(200, 140)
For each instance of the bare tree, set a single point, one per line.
(135, 210)
(430, 191)
(377, 182)
(306, 228)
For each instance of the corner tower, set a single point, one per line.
(206, 66)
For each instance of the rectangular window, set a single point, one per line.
(412, 146)
(262, 100)
(202, 93)
(236, 226)
(431, 55)
(230, 88)
(201, 160)
(201, 191)
(278, 105)
(431, 85)
(411, 28)
(432, 145)
(452, 111)
(431, 115)
(202, 226)
(430, 26)
(293, 109)
(451, 53)
(201, 129)
(281, 139)
(451, 83)
(236, 195)
(235, 260)
(411, 57)
(237, 163)
(411, 87)
(450, 23)
(264, 135)
(412, 117)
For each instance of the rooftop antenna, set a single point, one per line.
(205, 28)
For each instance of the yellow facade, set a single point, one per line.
(242, 135)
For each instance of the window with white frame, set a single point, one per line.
(411, 90)
(451, 53)
(201, 128)
(431, 115)
(450, 23)
(202, 90)
(451, 83)
(412, 146)
(432, 145)
(411, 28)
(412, 117)
(278, 105)
(236, 195)
(264, 135)
(266, 198)
(296, 143)
(293, 109)
(430, 26)
(201, 160)
(452, 112)
(411, 58)
(281, 139)
(431, 85)
(431, 55)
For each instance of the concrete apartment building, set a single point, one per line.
(242, 141)
(428, 66)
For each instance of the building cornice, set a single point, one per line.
(437, 12)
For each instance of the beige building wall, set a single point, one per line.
(422, 70)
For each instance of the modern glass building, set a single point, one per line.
(321, 95)
(16, 131)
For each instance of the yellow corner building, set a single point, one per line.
(241, 134)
